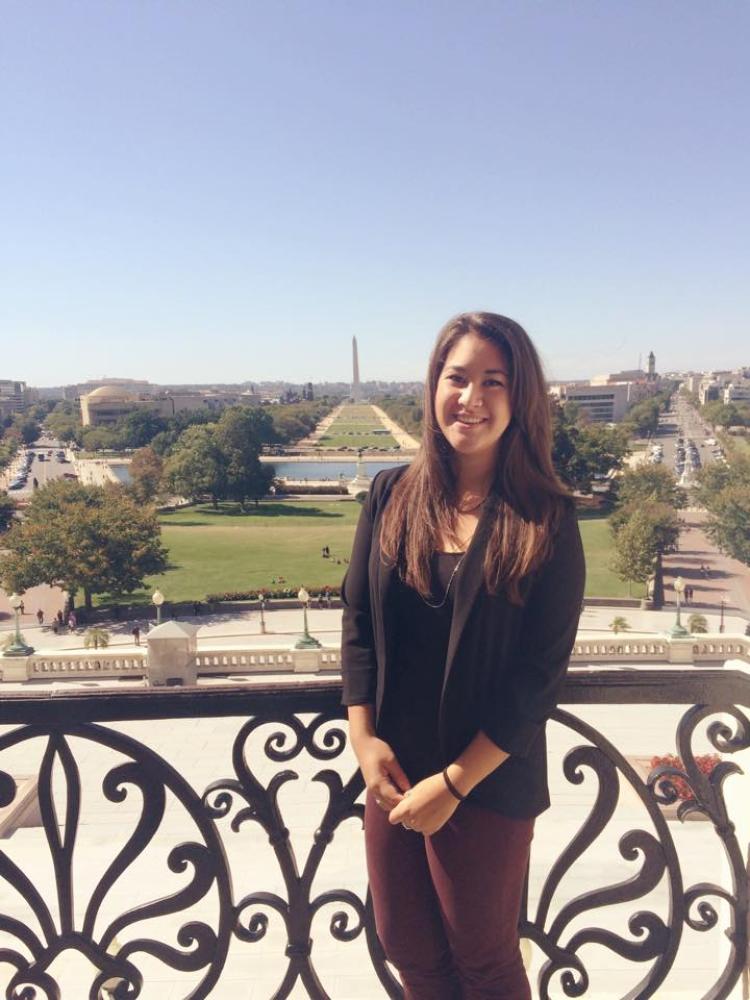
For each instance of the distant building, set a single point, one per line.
(737, 392)
(132, 386)
(631, 375)
(108, 403)
(602, 403)
(711, 386)
(14, 397)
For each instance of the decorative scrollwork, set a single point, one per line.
(196, 868)
(653, 939)
(322, 738)
(201, 948)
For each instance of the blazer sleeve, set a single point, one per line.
(530, 690)
(358, 659)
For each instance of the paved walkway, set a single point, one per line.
(284, 626)
(402, 438)
(49, 599)
(728, 578)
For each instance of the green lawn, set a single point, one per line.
(735, 445)
(333, 440)
(358, 414)
(597, 544)
(339, 427)
(213, 551)
(354, 428)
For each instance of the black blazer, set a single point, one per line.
(505, 665)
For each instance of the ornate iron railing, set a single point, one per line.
(214, 909)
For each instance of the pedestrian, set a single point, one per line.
(72, 621)
(137, 635)
(21, 608)
(40, 616)
(59, 617)
(461, 603)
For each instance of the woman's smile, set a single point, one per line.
(472, 399)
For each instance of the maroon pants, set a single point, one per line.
(446, 907)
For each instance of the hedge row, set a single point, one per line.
(269, 593)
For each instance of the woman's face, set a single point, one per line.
(472, 399)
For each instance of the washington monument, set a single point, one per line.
(356, 388)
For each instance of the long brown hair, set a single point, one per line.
(527, 494)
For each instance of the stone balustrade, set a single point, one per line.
(589, 649)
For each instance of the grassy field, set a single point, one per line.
(600, 580)
(380, 441)
(358, 414)
(735, 445)
(354, 429)
(220, 550)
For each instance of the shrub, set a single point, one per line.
(269, 593)
(706, 763)
(619, 624)
(697, 624)
(96, 637)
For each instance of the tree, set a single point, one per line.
(643, 532)
(643, 417)
(7, 511)
(139, 428)
(722, 414)
(197, 467)
(27, 429)
(239, 434)
(64, 422)
(146, 472)
(725, 493)
(650, 482)
(100, 439)
(582, 451)
(729, 522)
(95, 539)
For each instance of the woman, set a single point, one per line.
(461, 604)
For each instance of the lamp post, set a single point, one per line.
(723, 601)
(157, 600)
(305, 641)
(678, 631)
(262, 602)
(18, 647)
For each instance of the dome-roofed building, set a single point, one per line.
(105, 405)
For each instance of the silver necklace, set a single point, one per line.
(430, 604)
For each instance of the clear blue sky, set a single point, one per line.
(229, 190)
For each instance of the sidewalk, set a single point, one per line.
(728, 578)
(284, 626)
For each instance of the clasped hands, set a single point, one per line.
(424, 807)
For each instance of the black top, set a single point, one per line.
(505, 663)
(409, 721)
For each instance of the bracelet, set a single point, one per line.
(451, 787)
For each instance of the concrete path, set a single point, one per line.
(728, 578)
(402, 438)
(49, 599)
(284, 626)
